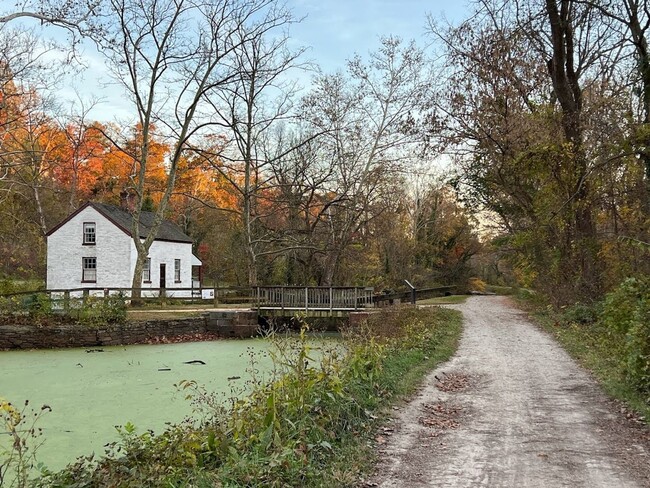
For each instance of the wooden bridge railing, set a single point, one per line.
(313, 297)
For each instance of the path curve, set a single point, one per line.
(530, 417)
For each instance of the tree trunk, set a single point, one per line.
(251, 256)
(39, 209)
(136, 284)
(643, 60)
(331, 265)
(569, 94)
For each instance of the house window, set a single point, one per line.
(146, 271)
(177, 270)
(89, 271)
(89, 233)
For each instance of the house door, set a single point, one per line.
(163, 275)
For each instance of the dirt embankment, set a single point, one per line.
(511, 409)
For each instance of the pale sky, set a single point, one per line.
(337, 29)
(332, 30)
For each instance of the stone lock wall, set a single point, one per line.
(233, 323)
(228, 324)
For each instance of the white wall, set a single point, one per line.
(65, 251)
(167, 252)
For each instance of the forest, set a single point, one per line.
(540, 112)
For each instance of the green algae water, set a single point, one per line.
(92, 392)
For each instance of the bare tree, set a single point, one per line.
(27, 77)
(633, 17)
(373, 117)
(249, 109)
(301, 179)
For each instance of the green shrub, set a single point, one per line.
(638, 348)
(626, 315)
(100, 310)
(620, 305)
(37, 305)
(582, 314)
(40, 308)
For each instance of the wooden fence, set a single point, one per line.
(61, 298)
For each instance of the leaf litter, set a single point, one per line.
(452, 382)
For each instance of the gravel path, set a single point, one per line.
(511, 409)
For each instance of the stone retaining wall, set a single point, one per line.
(229, 324)
(233, 323)
(45, 337)
(223, 323)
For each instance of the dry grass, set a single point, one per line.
(450, 300)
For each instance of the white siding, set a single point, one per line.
(65, 251)
(166, 252)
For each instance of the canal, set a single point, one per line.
(91, 391)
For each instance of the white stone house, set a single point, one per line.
(93, 248)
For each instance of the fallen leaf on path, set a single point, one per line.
(455, 381)
(440, 415)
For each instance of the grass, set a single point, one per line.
(161, 315)
(595, 350)
(177, 311)
(15, 286)
(501, 290)
(448, 300)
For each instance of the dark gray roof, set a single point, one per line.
(168, 231)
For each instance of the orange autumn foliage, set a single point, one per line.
(120, 166)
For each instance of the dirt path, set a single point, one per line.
(511, 409)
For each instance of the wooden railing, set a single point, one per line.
(313, 297)
(411, 296)
(290, 298)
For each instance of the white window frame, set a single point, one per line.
(89, 269)
(146, 271)
(177, 270)
(89, 233)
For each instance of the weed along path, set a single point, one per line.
(511, 409)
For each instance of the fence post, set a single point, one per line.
(66, 301)
(413, 292)
(84, 299)
(355, 297)
(331, 299)
(306, 299)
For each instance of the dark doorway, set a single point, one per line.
(163, 275)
